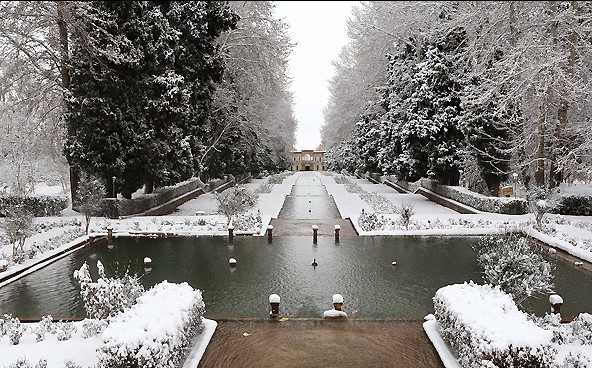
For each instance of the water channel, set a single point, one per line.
(359, 268)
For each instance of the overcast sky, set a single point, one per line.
(319, 30)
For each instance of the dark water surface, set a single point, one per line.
(358, 268)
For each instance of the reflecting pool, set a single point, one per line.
(359, 268)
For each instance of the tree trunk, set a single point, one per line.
(65, 76)
(556, 173)
(149, 187)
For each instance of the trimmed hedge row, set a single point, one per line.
(575, 205)
(38, 206)
(156, 330)
(505, 205)
(485, 328)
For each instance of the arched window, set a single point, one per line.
(307, 157)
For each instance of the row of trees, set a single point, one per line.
(471, 89)
(150, 93)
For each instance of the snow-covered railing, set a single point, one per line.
(155, 331)
(485, 328)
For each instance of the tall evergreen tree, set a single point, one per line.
(139, 95)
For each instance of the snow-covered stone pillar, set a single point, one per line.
(274, 302)
(315, 229)
(556, 302)
(337, 302)
(230, 233)
(269, 233)
(337, 228)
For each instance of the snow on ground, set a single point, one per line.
(428, 219)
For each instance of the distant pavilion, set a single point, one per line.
(308, 160)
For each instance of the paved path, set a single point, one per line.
(320, 343)
(309, 204)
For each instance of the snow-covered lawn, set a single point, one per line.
(199, 217)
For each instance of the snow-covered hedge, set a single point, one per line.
(576, 205)
(505, 205)
(156, 330)
(38, 206)
(486, 329)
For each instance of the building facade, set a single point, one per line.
(308, 160)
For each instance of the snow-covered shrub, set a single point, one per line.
(575, 205)
(510, 262)
(540, 202)
(107, 296)
(578, 332)
(505, 205)
(21, 363)
(353, 187)
(406, 211)
(371, 221)
(12, 327)
(3, 264)
(576, 360)
(341, 179)
(264, 188)
(18, 226)
(92, 327)
(38, 206)
(278, 178)
(485, 328)
(247, 221)
(64, 330)
(234, 201)
(71, 364)
(378, 202)
(43, 327)
(152, 333)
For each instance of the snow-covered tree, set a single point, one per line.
(140, 93)
(33, 73)
(90, 194)
(511, 263)
(18, 226)
(534, 60)
(234, 201)
(252, 125)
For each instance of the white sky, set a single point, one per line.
(319, 30)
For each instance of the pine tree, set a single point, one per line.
(140, 94)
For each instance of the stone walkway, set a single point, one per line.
(320, 343)
(309, 204)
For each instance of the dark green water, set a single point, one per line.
(358, 268)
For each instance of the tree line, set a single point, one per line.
(142, 94)
(470, 90)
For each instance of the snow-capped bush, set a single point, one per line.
(64, 330)
(152, 333)
(24, 363)
(578, 332)
(511, 263)
(278, 178)
(92, 327)
(43, 327)
(371, 221)
(107, 296)
(485, 328)
(505, 205)
(406, 212)
(540, 202)
(247, 221)
(12, 327)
